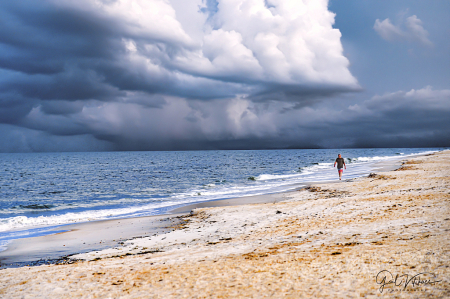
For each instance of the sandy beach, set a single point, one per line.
(333, 240)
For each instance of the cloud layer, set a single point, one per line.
(176, 74)
(70, 67)
(76, 50)
(417, 118)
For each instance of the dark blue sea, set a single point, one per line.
(40, 191)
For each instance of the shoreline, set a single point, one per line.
(382, 166)
(329, 240)
(81, 237)
(55, 248)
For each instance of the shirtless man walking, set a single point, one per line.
(341, 164)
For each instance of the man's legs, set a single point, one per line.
(340, 173)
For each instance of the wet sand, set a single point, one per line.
(328, 240)
(82, 237)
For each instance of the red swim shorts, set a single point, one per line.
(340, 170)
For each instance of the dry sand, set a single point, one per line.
(330, 240)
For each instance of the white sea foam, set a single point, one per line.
(21, 222)
(4, 245)
(266, 177)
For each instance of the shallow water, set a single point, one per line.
(39, 191)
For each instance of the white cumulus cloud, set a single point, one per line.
(410, 30)
(250, 42)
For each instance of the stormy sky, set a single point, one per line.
(95, 75)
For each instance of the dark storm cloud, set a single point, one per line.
(44, 53)
(49, 31)
(26, 140)
(203, 74)
(166, 82)
(29, 64)
(301, 96)
(14, 107)
(70, 40)
(382, 121)
(74, 84)
(418, 118)
(59, 59)
(61, 107)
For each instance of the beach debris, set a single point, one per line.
(313, 189)
(413, 162)
(251, 178)
(407, 165)
(348, 244)
(380, 176)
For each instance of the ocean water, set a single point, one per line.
(41, 191)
